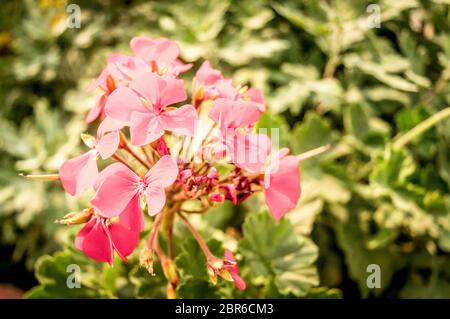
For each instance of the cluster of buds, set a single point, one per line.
(166, 152)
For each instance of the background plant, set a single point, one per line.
(373, 198)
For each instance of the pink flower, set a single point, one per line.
(162, 54)
(230, 264)
(121, 187)
(247, 151)
(120, 70)
(282, 184)
(231, 115)
(80, 173)
(100, 237)
(149, 118)
(209, 83)
(235, 118)
(256, 96)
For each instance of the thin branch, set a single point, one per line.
(404, 139)
(313, 152)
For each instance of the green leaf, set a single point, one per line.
(273, 249)
(312, 133)
(146, 285)
(53, 274)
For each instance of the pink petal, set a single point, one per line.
(233, 269)
(181, 67)
(108, 144)
(109, 170)
(121, 103)
(150, 86)
(207, 75)
(123, 239)
(132, 217)
(145, 128)
(98, 82)
(257, 97)
(163, 173)
(156, 199)
(162, 50)
(108, 125)
(227, 90)
(234, 114)
(284, 190)
(180, 120)
(238, 281)
(79, 173)
(249, 151)
(116, 192)
(97, 109)
(95, 242)
(173, 91)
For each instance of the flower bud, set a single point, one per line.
(215, 263)
(169, 271)
(171, 293)
(76, 218)
(161, 147)
(225, 274)
(216, 197)
(146, 259)
(212, 276)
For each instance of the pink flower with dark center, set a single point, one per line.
(143, 107)
(121, 187)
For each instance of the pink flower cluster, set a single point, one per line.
(154, 172)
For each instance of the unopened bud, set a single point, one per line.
(216, 197)
(225, 274)
(161, 147)
(215, 263)
(76, 218)
(171, 293)
(212, 276)
(169, 271)
(146, 259)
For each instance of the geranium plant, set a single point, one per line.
(167, 153)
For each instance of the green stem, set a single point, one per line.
(404, 139)
(197, 236)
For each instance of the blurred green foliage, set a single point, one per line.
(327, 78)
